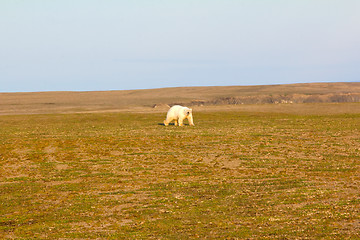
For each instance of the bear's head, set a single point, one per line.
(188, 111)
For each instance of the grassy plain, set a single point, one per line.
(235, 175)
(144, 100)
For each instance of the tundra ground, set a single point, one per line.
(235, 175)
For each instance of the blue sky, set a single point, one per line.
(84, 45)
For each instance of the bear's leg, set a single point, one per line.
(167, 121)
(181, 122)
(176, 122)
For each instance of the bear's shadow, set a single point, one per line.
(172, 124)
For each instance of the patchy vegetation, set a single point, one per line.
(125, 176)
(160, 99)
(281, 98)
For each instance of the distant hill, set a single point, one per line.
(138, 100)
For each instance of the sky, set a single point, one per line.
(87, 45)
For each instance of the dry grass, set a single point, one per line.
(267, 173)
(143, 100)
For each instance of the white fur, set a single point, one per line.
(178, 113)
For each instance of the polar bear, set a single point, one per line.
(178, 113)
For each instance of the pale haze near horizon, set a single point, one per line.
(86, 45)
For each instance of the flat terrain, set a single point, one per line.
(101, 165)
(244, 172)
(145, 100)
